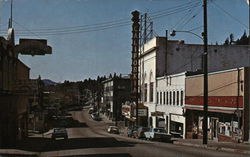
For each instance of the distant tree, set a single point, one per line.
(226, 42)
(231, 39)
(244, 40)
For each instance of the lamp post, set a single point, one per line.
(205, 70)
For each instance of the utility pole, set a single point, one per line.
(205, 71)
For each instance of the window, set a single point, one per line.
(170, 98)
(151, 90)
(167, 97)
(177, 98)
(164, 98)
(157, 97)
(160, 97)
(145, 92)
(173, 97)
(182, 98)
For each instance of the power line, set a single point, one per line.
(227, 13)
(104, 24)
(100, 26)
(190, 19)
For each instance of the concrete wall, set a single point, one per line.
(188, 57)
(223, 83)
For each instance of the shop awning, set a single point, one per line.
(157, 113)
(227, 111)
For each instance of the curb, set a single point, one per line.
(17, 151)
(213, 148)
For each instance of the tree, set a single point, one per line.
(244, 40)
(226, 42)
(231, 39)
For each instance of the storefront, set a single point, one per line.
(223, 125)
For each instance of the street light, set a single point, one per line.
(205, 96)
(173, 33)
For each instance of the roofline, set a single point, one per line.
(218, 72)
(23, 63)
(173, 75)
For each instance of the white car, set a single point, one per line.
(157, 134)
(113, 129)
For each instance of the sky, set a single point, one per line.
(93, 37)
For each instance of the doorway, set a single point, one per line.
(214, 128)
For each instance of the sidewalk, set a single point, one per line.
(213, 145)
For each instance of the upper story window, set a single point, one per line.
(173, 97)
(170, 97)
(177, 98)
(182, 98)
(167, 97)
(145, 92)
(151, 92)
(157, 97)
(164, 97)
(160, 97)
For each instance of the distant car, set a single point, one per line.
(59, 133)
(157, 134)
(91, 110)
(95, 116)
(113, 130)
(131, 131)
(139, 133)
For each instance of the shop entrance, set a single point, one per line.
(214, 128)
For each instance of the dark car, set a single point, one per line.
(95, 116)
(59, 133)
(131, 131)
(139, 133)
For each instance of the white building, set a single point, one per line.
(151, 61)
(170, 101)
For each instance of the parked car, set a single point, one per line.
(91, 110)
(113, 130)
(95, 116)
(157, 134)
(139, 132)
(131, 131)
(59, 133)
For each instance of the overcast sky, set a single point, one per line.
(104, 45)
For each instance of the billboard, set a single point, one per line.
(33, 47)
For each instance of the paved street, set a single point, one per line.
(92, 140)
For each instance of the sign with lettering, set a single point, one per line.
(33, 47)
